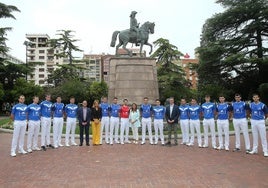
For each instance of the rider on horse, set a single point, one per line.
(134, 26)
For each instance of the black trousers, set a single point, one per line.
(82, 128)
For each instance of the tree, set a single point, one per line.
(66, 45)
(5, 12)
(97, 90)
(171, 79)
(233, 51)
(28, 89)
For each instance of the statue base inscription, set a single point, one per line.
(133, 78)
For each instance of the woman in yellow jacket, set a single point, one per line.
(96, 122)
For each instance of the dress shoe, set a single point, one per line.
(80, 144)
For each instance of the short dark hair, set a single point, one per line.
(145, 98)
(237, 94)
(207, 96)
(157, 100)
(125, 100)
(115, 98)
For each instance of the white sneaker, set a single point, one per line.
(122, 143)
(56, 147)
(29, 150)
(22, 151)
(226, 149)
(128, 142)
(13, 154)
(214, 147)
(60, 145)
(67, 145)
(36, 149)
(200, 145)
(265, 154)
(74, 144)
(205, 146)
(219, 148)
(252, 152)
(190, 144)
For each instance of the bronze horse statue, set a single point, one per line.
(127, 36)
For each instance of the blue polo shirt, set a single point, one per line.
(19, 112)
(46, 108)
(146, 110)
(223, 110)
(159, 112)
(114, 110)
(34, 112)
(194, 111)
(258, 110)
(58, 109)
(105, 109)
(71, 110)
(184, 112)
(208, 110)
(239, 110)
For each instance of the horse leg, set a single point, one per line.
(125, 48)
(150, 46)
(141, 48)
(117, 47)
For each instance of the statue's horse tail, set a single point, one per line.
(114, 38)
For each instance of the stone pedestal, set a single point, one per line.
(133, 78)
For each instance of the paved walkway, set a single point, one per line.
(131, 166)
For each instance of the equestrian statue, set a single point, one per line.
(135, 34)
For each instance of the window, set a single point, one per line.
(41, 57)
(41, 51)
(41, 81)
(41, 76)
(41, 70)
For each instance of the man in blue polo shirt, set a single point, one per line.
(46, 122)
(34, 112)
(146, 121)
(239, 109)
(159, 114)
(259, 112)
(184, 121)
(71, 113)
(223, 114)
(208, 111)
(114, 121)
(58, 110)
(18, 115)
(194, 115)
(105, 120)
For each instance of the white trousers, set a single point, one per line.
(70, 127)
(146, 122)
(195, 125)
(124, 128)
(105, 121)
(114, 126)
(184, 123)
(241, 124)
(258, 127)
(209, 124)
(45, 130)
(223, 125)
(135, 132)
(18, 135)
(57, 130)
(33, 131)
(158, 126)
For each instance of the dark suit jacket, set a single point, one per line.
(80, 115)
(174, 115)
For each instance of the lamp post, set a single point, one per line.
(26, 43)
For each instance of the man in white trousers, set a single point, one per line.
(146, 120)
(209, 111)
(239, 111)
(18, 115)
(194, 115)
(114, 121)
(184, 121)
(105, 120)
(159, 114)
(124, 128)
(58, 110)
(46, 122)
(223, 114)
(34, 112)
(259, 112)
(71, 113)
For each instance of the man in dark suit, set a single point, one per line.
(84, 117)
(172, 115)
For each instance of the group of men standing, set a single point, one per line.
(113, 115)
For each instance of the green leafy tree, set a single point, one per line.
(28, 89)
(233, 51)
(70, 88)
(5, 12)
(171, 79)
(97, 90)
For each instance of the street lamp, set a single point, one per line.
(26, 43)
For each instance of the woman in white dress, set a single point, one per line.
(134, 119)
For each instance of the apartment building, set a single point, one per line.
(38, 50)
(92, 64)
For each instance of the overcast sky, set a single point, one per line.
(179, 21)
